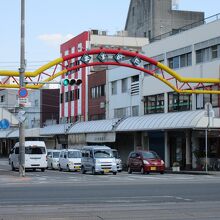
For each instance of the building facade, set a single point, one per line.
(198, 55)
(153, 18)
(75, 101)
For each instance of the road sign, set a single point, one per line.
(24, 102)
(4, 124)
(22, 93)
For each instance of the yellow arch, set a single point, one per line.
(165, 68)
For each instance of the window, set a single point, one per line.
(3, 98)
(202, 99)
(154, 104)
(124, 85)
(135, 110)
(133, 10)
(180, 61)
(36, 102)
(61, 98)
(97, 91)
(72, 95)
(153, 68)
(135, 78)
(179, 102)
(119, 112)
(35, 150)
(114, 88)
(208, 54)
(66, 96)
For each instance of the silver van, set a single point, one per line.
(98, 159)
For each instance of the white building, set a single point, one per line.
(179, 134)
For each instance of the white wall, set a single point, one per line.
(188, 38)
(121, 100)
(33, 113)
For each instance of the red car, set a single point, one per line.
(145, 162)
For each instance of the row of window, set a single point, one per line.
(184, 60)
(70, 96)
(180, 61)
(178, 102)
(208, 54)
(124, 85)
(127, 111)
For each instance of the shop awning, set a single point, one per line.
(178, 120)
(55, 129)
(94, 126)
(31, 132)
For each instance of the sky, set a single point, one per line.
(48, 23)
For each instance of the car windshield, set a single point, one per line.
(35, 150)
(103, 153)
(56, 154)
(74, 154)
(115, 154)
(150, 155)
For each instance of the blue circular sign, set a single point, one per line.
(4, 124)
(22, 92)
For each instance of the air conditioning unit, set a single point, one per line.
(102, 104)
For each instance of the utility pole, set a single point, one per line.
(21, 79)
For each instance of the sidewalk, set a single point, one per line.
(194, 172)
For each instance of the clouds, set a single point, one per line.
(54, 40)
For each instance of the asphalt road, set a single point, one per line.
(64, 195)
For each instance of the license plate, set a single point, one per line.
(153, 168)
(77, 167)
(106, 171)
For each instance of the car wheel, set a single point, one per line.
(93, 171)
(68, 168)
(12, 167)
(114, 173)
(42, 169)
(161, 172)
(60, 169)
(129, 170)
(52, 166)
(142, 170)
(83, 170)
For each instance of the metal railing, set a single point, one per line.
(186, 27)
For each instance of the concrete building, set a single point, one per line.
(152, 18)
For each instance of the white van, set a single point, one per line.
(70, 160)
(35, 155)
(53, 158)
(98, 159)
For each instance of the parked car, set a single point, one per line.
(70, 160)
(35, 155)
(145, 162)
(53, 158)
(9, 157)
(98, 159)
(118, 159)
